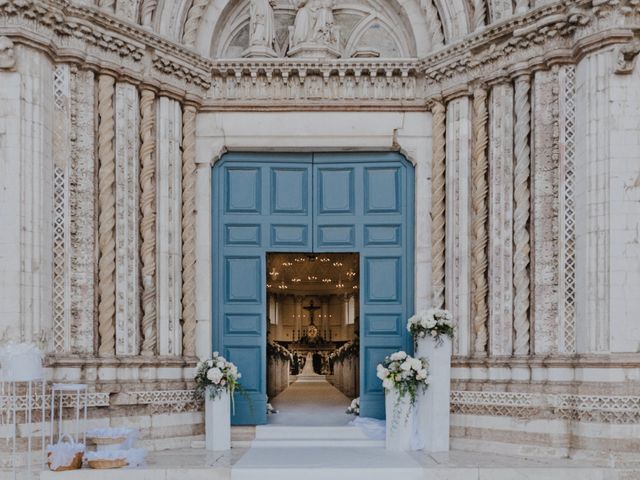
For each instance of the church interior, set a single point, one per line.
(313, 347)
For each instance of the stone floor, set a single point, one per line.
(310, 402)
(329, 463)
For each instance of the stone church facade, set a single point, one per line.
(521, 119)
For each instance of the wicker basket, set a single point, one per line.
(107, 464)
(76, 463)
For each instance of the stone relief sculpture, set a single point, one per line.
(314, 33)
(261, 29)
(7, 55)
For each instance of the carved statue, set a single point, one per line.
(314, 30)
(7, 54)
(262, 27)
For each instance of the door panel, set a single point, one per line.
(266, 206)
(364, 203)
(311, 203)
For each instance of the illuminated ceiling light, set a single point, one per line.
(337, 264)
(355, 287)
(312, 278)
(274, 273)
(325, 260)
(326, 280)
(296, 280)
(287, 264)
(351, 274)
(299, 259)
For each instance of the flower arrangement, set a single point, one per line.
(433, 322)
(348, 350)
(277, 351)
(354, 408)
(217, 373)
(404, 374)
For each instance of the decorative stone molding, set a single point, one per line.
(479, 237)
(522, 195)
(193, 21)
(21, 402)
(500, 272)
(148, 221)
(627, 56)
(438, 203)
(7, 54)
(127, 190)
(169, 225)
(189, 231)
(82, 203)
(567, 210)
(168, 400)
(106, 226)
(606, 409)
(62, 148)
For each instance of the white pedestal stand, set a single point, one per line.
(400, 418)
(217, 421)
(80, 403)
(434, 404)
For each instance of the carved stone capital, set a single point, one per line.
(626, 57)
(7, 54)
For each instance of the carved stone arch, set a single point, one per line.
(362, 28)
(454, 15)
(169, 18)
(229, 27)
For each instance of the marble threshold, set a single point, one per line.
(340, 463)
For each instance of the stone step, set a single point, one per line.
(309, 433)
(317, 443)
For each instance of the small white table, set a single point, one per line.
(80, 390)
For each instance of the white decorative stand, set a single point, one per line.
(217, 421)
(22, 364)
(400, 418)
(434, 404)
(80, 404)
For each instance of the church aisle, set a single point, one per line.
(310, 403)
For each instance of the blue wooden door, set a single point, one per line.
(364, 203)
(261, 203)
(310, 203)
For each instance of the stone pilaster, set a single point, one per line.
(148, 222)
(26, 106)
(458, 220)
(500, 299)
(127, 220)
(106, 226)
(479, 238)
(544, 212)
(83, 219)
(169, 226)
(607, 206)
(522, 204)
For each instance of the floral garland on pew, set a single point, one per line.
(348, 350)
(277, 351)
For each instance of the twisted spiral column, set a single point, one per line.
(146, 12)
(189, 231)
(148, 222)
(193, 21)
(522, 194)
(433, 23)
(107, 217)
(479, 14)
(438, 204)
(479, 236)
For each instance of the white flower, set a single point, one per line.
(416, 364)
(434, 333)
(406, 365)
(387, 384)
(421, 374)
(220, 364)
(210, 363)
(382, 372)
(398, 356)
(215, 375)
